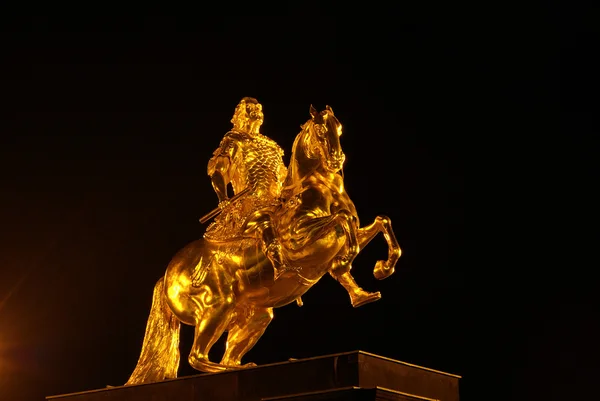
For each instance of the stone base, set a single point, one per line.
(351, 394)
(352, 376)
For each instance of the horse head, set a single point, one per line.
(323, 139)
(316, 149)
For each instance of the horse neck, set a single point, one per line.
(301, 166)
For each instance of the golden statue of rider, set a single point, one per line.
(267, 246)
(253, 165)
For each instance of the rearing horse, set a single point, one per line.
(228, 286)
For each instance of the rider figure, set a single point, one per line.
(246, 159)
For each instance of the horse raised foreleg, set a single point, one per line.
(244, 332)
(358, 296)
(341, 266)
(383, 269)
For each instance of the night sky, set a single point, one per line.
(108, 124)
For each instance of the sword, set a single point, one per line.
(218, 210)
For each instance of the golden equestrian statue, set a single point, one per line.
(280, 232)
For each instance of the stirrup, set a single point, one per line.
(273, 247)
(273, 253)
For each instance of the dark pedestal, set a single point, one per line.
(351, 394)
(352, 376)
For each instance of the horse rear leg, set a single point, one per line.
(209, 328)
(248, 327)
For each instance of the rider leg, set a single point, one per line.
(272, 248)
(261, 222)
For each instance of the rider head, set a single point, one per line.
(248, 116)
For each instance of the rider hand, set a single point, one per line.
(224, 203)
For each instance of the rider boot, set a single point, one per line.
(358, 296)
(270, 244)
(273, 249)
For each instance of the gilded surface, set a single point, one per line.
(278, 233)
(258, 165)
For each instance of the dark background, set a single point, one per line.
(107, 128)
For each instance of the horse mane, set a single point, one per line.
(300, 148)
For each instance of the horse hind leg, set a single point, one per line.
(245, 331)
(208, 329)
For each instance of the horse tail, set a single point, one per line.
(159, 358)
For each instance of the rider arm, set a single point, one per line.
(220, 166)
(282, 173)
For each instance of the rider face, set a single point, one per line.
(255, 117)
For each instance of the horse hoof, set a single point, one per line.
(249, 365)
(244, 366)
(380, 272)
(203, 364)
(366, 298)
